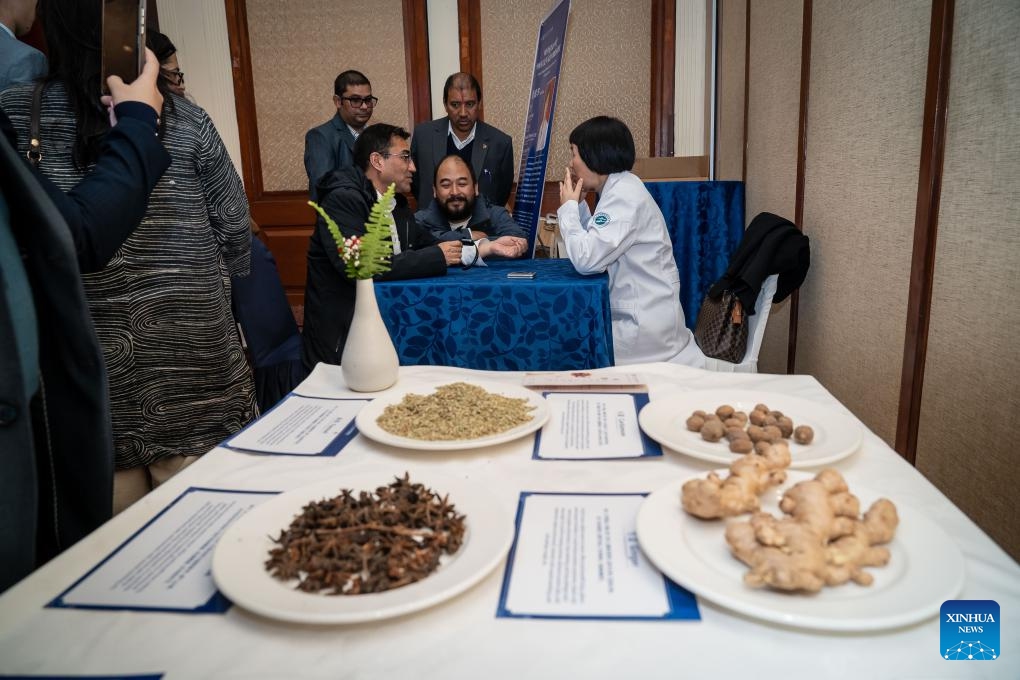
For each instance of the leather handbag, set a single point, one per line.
(721, 331)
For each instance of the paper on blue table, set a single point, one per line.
(166, 565)
(301, 426)
(577, 556)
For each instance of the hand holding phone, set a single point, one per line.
(123, 40)
(143, 89)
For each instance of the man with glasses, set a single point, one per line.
(381, 157)
(488, 151)
(330, 146)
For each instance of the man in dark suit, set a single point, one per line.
(330, 146)
(489, 151)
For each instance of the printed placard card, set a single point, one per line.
(167, 564)
(584, 381)
(147, 676)
(301, 426)
(593, 426)
(576, 556)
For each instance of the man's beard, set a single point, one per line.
(457, 214)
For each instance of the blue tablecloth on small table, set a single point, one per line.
(480, 319)
(706, 223)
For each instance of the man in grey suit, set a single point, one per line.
(489, 151)
(330, 146)
(19, 63)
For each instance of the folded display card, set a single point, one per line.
(584, 381)
(301, 426)
(166, 565)
(592, 426)
(576, 556)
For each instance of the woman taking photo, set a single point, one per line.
(178, 380)
(627, 238)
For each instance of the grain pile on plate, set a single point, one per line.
(454, 412)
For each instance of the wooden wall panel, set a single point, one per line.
(970, 398)
(868, 68)
(772, 113)
(729, 146)
(285, 57)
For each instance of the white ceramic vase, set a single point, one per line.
(369, 361)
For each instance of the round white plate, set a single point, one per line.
(836, 435)
(366, 417)
(239, 559)
(694, 554)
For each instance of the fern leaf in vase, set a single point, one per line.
(367, 255)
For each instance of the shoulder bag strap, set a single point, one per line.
(34, 153)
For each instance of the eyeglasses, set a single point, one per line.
(406, 156)
(175, 76)
(358, 102)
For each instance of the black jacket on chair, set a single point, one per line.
(771, 245)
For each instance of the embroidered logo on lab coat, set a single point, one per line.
(601, 219)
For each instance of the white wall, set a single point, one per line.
(689, 111)
(444, 49)
(198, 28)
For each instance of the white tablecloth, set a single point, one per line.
(462, 638)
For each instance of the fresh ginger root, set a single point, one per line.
(847, 554)
(784, 554)
(824, 503)
(738, 493)
(822, 542)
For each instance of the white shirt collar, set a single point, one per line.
(11, 33)
(457, 141)
(354, 132)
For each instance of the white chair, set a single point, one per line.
(755, 333)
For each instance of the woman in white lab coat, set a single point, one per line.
(627, 238)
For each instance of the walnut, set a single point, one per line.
(803, 434)
(712, 431)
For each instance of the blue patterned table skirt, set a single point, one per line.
(706, 223)
(480, 319)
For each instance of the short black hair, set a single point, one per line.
(160, 45)
(471, 171)
(461, 81)
(604, 144)
(376, 139)
(349, 78)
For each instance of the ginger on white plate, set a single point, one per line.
(739, 492)
(823, 540)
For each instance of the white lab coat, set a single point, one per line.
(627, 238)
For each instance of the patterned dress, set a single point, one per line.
(179, 382)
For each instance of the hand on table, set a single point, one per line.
(505, 246)
(451, 251)
(569, 191)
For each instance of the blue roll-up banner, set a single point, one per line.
(552, 35)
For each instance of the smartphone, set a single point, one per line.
(521, 275)
(123, 39)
